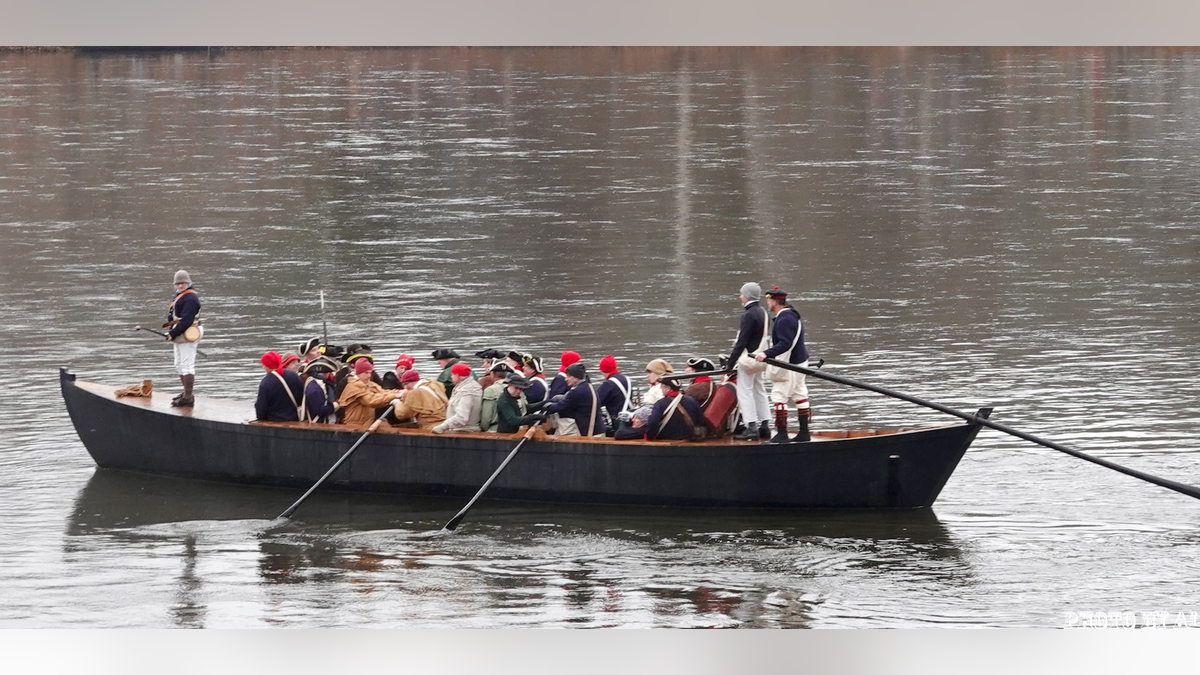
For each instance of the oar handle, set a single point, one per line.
(1182, 488)
(374, 425)
(453, 522)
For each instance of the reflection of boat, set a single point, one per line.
(873, 469)
(113, 502)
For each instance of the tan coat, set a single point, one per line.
(360, 400)
(426, 402)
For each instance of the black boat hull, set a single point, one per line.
(894, 470)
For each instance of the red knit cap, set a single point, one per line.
(405, 360)
(363, 366)
(460, 369)
(567, 359)
(272, 360)
(608, 365)
(409, 376)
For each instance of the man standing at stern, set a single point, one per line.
(751, 390)
(183, 313)
(787, 344)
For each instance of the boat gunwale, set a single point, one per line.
(107, 392)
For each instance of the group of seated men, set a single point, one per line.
(328, 384)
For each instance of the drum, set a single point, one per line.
(719, 408)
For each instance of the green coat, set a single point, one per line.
(509, 412)
(444, 378)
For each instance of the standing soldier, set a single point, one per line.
(787, 345)
(182, 314)
(751, 390)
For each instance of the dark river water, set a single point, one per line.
(1009, 228)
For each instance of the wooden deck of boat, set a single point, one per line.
(242, 412)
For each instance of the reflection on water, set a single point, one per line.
(999, 227)
(522, 564)
(188, 610)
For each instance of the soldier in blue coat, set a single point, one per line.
(675, 416)
(787, 345)
(580, 405)
(318, 403)
(183, 313)
(531, 368)
(615, 394)
(279, 392)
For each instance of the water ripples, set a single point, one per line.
(1012, 229)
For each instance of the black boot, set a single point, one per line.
(750, 434)
(802, 425)
(781, 434)
(764, 430)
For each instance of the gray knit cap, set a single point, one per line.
(181, 277)
(751, 290)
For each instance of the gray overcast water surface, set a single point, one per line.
(1007, 228)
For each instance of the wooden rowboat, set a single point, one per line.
(215, 440)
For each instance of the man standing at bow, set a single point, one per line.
(751, 390)
(183, 313)
(787, 344)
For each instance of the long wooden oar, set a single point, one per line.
(374, 425)
(151, 330)
(453, 522)
(1188, 490)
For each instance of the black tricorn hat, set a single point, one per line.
(701, 364)
(444, 354)
(358, 351)
(321, 364)
(531, 361)
(500, 367)
(516, 356)
(332, 351)
(308, 345)
(490, 354)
